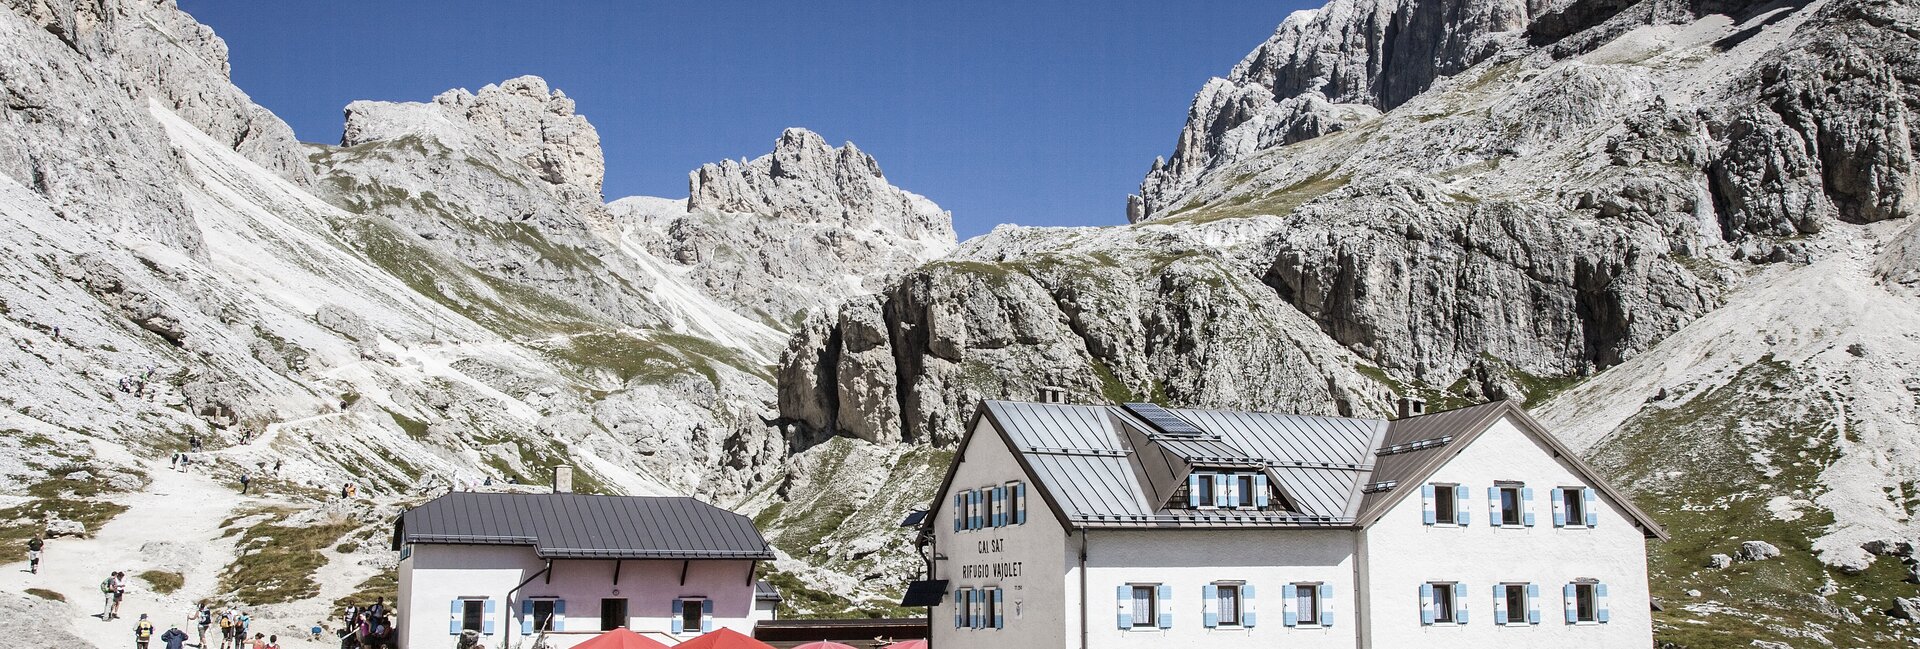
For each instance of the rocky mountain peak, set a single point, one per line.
(807, 180)
(518, 119)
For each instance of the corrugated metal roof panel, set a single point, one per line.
(1395, 467)
(581, 525)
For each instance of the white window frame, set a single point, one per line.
(1208, 489)
(1586, 603)
(1015, 502)
(989, 508)
(537, 601)
(1220, 590)
(1243, 486)
(1306, 616)
(1151, 620)
(1446, 495)
(1572, 500)
(963, 603)
(1507, 589)
(469, 603)
(1519, 509)
(1443, 592)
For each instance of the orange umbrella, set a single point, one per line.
(908, 644)
(723, 638)
(620, 638)
(823, 644)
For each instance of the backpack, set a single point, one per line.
(206, 617)
(107, 586)
(226, 622)
(144, 631)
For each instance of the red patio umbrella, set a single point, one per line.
(823, 644)
(620, 638)
(723, 638)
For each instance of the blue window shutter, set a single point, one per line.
(1459, 603)
(1533, 603)
(706, 615)
(995, 506)
(1020, 502)
(559, 615)
(1326, 604)
(1526, 506)
(1600, 603)
(1260, 497)
(1210, 606)
(526, 617)
(1166, 606)
(1559, 498)
(1461, 513)
(453, 623)
(1125, 607)
(1493, 507)
(980, 608)
(959, 512)
(999, 615)
(679, 616)
(486, 623)
(959, 607)
(1426, 604)
(1593, 512)
(1193, 490)
(1246, 606)
(1288, 615)
(1426, 503)
(1570, 596)
(1499, 604)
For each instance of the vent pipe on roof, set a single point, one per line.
(563, 479)
(1411, 407)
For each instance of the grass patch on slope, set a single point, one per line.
(655, 357)
(385, 584)
(57, 498)
(1279, 202)
(163, 581)
(45, 594)
(1706, 469)
(276, 563)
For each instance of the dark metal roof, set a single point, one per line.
(764, 591)
(581, 526)
(1400, 467)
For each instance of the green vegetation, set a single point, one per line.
(385, 584)
(1111, 387)
(163, 582)
(655, 356)
(1706, 470)
(415, 428)
(276, 563)
(799, 601)
(45, 594)
(55, 498)
(1280, 202)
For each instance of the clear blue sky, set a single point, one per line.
(1003, 112)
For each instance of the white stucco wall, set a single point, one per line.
(1402, 553)
(1033, 599)
(1188, 560)
(435, 575)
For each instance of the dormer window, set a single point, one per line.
(1227, 490)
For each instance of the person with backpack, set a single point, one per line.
(106, 592)
(119, 581)
(142, 632)
(204, 618)
(174, 638)
(246, 481)
(240, 628)
(34, 546)
(226, 628)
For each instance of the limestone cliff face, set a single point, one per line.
(110, 57)
(803, 227)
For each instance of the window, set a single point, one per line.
(613, 613)
(1227, 599)
(542, 615)
(1145, 607)
(962, 608)
(995, 617)
(1585, 607)
(1306, 603)
(1245, 490)
(690, 613)
(992, 510)
(1205, 497)
(1443, 605)
(1509, 506)
(1444, 502)
(1576, 506)
(1516, 603)
(473, 615)
(1016, 503)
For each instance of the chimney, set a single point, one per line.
(563, 479)
(1411, 407)
(1053, 394)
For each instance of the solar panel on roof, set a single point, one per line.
(924, 592)
(1164, 420)
(914, 517)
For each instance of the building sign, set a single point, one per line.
(990, 570)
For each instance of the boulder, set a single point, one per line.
(1756, 551)
(1719, 562)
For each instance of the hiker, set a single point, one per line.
(33, 553)
(246, 482)
(204, 618)
(276, 466)
(193, 443)
(142, 632)
(174, 638)
(119, 591)
(240, 628)
(379, 608)
(259, 641)
(226, 627)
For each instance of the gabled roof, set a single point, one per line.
(581, 526)
(1459, 428)
(1102, 466)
